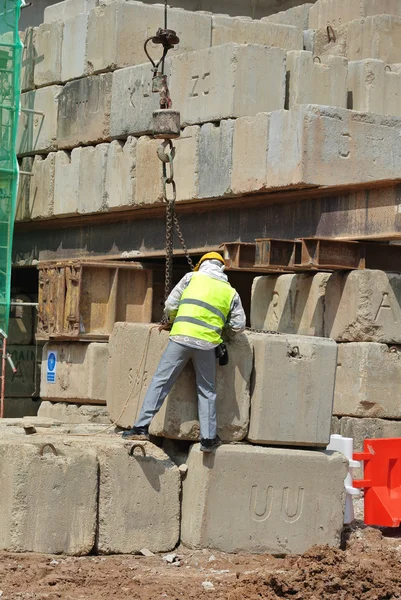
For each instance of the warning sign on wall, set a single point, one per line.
(51, 366)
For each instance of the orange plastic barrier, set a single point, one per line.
(382, 481)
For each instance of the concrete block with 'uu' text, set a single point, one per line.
(252, 499)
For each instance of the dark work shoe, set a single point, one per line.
(210, 445)
(136, 433)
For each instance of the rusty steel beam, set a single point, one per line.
(277, 253)
(330, 254)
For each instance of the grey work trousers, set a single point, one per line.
(173, 361)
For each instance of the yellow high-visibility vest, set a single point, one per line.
(203, 308)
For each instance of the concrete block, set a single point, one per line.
(312, 82)
(41, 187)
(299, 139)
(215, 159)
(338, 12)
(48, 502)
(209, 85)
(20, 328)
(372, 37)
(29, 54)
(374, 87)
(287, 501)
(37, 132)
(120, 184)
(66, 182)
(15, 408)
(111, 44)
(367, 381)
(81, 373)
(298, 17)
(136, 493)
(364, 306)
(48, 44)
(92, 179)
(22, 209)
(289, 303)
(67, 9)
(178, 418)
(25, 382)
(292, 390)
(84, 111)
(243, 31)
(149, 175)
(187, 163)
(335, 426)
(74, 47)
(74, 413)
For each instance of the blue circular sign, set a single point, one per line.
(51, 361)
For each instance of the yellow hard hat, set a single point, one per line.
(209, 256)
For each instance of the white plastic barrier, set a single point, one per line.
(346, 446)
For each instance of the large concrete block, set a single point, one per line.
(48, 44)
(338, 12)
(25, 382)
(299, 140)
(74, 413)
(209, 85)
(215, 159)
(22, 212)
(129, 377)
(364, 306)
(66, 182)
(84, 111)
(48, 502)
(20, 328)
(92, 179)
(67, 9)
(374, 87)
(80, 373)
(149, 175)
(298, 16)
(29, 54)
(120, 184)
(244, 31)
(140, 495)
(311, 82)
(111, 44)
(289, 303)
(292, 390)
(41, 187)
(37, 131)
(372, 37)
(280, 501)
(367, 381)
(74, 47)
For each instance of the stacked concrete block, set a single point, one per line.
(338, 12)
(37, 128)
(120, 183)
(74, 413)
(374, 87)
(67, 9)
(129, 377)
(313, 82)
(291, 402)
(66, 186)
(298, 17)
(80, 373)
(92, 179)
(48, 53)
(245, 31)
(74, 47)
(281, 501)
(41, 188)
(27, 38)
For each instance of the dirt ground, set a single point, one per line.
(368, 568)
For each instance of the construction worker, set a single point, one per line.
(199, 308)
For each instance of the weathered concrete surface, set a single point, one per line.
(111, 44)
(311, 82)
(27, 38)
(92, 179)
(374, 87)
(148, 173)
(292, 303)
(81, 373)
(20, 328)
(364, 306)
(22, 210)
(74, 47)
(74, 413)
(243, 31)
(66, 184)
(47, 46)
(291, 400)
(15, 408)
(134, 353)
(338, 12)
(120, 183)
(139, 505)
(41, 187)
(209, 85)
(48, 502)
(306, 136)
(372, 37)
(69, 8)
(251, 499)
(37, 132)
(367, 381)
(215, 159)
(84, 111)
(298, 16)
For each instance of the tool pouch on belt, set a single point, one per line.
(222, 354)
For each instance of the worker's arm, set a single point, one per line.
(173, 301)
(236, 320)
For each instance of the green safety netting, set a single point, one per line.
(10, 66)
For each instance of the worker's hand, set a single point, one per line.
(165, 327)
